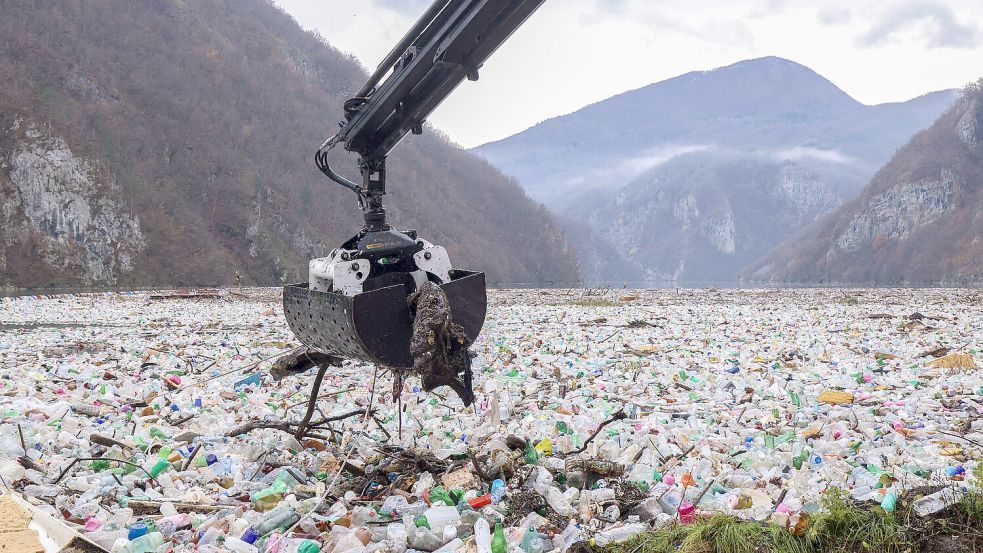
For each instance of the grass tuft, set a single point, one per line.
(842, 526)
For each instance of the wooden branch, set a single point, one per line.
(287, 426)
(342, 416)
(79, 459)
(256, 425)
(302, 360)
(144, 507)
(315, 388)
(620, 415)
(477, 467)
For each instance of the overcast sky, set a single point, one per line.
(572, 53)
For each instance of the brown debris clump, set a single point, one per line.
(439, 346)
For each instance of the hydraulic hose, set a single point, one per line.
(321, 160)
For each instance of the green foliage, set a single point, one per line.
(971, 507)
(718, 534)
(841, 527)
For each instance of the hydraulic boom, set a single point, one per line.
(355, 302)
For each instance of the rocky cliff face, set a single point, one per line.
(704, 215)
(918, 221)
(68, 211)
(896, 212)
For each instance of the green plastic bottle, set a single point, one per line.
(498, 543)
(532, 456)
(158, 433)
(145, 543)
(160, 466)
(440, 495)
(800, 459)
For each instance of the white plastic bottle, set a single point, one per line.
(559, 502)
(482, 535)
(441, 516)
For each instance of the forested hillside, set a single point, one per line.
(918, 221)
(170, 142)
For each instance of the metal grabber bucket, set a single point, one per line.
(376, 326)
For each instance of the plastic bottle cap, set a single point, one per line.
(250, 535)
(136, 530)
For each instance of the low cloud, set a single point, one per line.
(936, 22)
(615, 176)
(654, 157)
(661, 20)
(799, 153)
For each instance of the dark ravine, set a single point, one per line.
(170, 143)
(917, 221)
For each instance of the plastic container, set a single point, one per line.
(498, 542)
(482, 536)
(146, 543)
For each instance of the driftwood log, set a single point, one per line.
(301, 361)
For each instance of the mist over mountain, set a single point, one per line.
(916, 222)
(170, 143)
(691, 178)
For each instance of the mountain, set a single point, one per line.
(691, 178)
(169, 142)
(713, 212)
(918, 221)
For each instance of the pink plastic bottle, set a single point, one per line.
(687, 512)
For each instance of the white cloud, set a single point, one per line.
(576, 52)
(799, 153)
(653, 157)
(934, 22)
(631, 167)
(834, 15)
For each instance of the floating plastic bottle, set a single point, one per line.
(136, 530)
(498, 491)
(620, 533)
(440, 516)
(933, 503)
(158, 467)
(146, 543)
(498, 542)
(280, 519)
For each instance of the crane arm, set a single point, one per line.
(449, 43)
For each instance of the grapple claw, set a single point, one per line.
(377, 326)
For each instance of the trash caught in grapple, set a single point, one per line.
(440, 345)
(355, 301)
(376, 326)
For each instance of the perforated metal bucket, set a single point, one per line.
(376, 326)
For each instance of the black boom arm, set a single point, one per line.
(449, 43)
